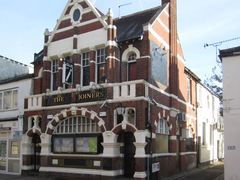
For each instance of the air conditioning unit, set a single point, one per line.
(181, 117)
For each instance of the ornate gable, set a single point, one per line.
(78, 18)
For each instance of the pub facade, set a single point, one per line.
(112, 97)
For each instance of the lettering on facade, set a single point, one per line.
(80, 97)
(94, 95)
(59, 99)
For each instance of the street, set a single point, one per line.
(212, 172)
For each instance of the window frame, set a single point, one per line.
(100, 61)
(85, 57)
(162, 127)
(54, 71)
(12, 105)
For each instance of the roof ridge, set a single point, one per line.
(137, 13)
(13, 61)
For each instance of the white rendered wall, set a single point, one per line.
(231, 105)
(24, 88)
(209, 115)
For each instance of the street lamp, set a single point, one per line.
(148, 131)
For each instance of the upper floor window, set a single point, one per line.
(85, 69)
(67, 72)
(54, 72)
(208, 101)
(8, 99)
(203, 133)
(132, 69)
(101, 65)
(162, 127)
(189, 90)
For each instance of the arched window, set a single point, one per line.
(132, 68)
(77, 135)
(77, 125)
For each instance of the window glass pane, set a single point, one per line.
(86, 144)
(86, 76)
(54, 74)
(1, 100)
(7, 98)
(15, 100)
(14, 148)
(63, 145)
(132, 56)
(85, 69)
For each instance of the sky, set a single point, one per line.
(22, 24)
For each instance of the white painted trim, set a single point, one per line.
(173, 137)
(77, 25)
(111, 43)
(47, 71)
(187, 153)
(159, 38)
(180, 58)
(81, 171)
(142, 57)
(112, 57)
(164, 154)
(130, 48)
(163, 25)
(24, 167)
(140, 175)
(86, 10)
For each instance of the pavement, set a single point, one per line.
(208, 172)
(203, 172)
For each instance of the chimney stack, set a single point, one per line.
(173, 62)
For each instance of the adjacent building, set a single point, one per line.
(231, 103)
(209, 126)
(15, 84)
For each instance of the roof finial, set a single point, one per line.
(110, 12)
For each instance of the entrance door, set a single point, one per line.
(129, 152)
(3, 156)
(36, 154)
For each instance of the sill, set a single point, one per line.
(7, 110)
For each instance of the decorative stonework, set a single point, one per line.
(74, 111)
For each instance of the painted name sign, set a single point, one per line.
(59, 99)
(92, 95)
(80, 97)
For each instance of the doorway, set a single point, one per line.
(128, 150)
(36, 140)
(3, 155)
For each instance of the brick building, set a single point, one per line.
(112, 97)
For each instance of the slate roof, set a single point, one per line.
(131, 26)
(38, 56)
(230, 52)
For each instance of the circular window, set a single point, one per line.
(76, 15)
